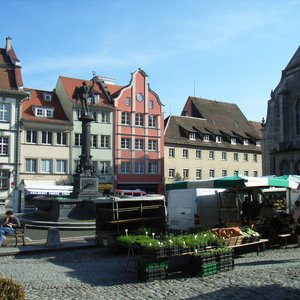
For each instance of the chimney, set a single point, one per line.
(8, 44)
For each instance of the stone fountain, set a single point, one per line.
(80, 204)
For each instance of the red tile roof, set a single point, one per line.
(10, 74)
(70, 85)
(37, 99)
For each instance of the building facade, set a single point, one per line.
(281, 134)
(11, 97)
(102, 138)
(211, 139)
(139, 138)
(45, 144)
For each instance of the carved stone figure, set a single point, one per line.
(83, 93)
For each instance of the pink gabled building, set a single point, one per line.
(139, 137)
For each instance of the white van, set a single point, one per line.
(200, 207)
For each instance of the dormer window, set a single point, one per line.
(246, 142)
(192, 136)
(96, 98)
(206, 138)
(43, 112)
(233, 141)
(258, 143)
(218, 139)
(47, 97)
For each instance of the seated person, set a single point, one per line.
(9, 225)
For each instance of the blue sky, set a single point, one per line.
(224, 50)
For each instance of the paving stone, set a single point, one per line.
(94, 273)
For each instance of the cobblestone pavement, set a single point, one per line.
(98, 274)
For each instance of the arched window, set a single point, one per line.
(285, 168)
(297, 116)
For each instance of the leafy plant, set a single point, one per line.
(10, 289)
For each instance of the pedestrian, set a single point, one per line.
(9, 225)
(296, 217)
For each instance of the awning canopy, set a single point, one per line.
(43, 187)
(221, 183)
(236, 181)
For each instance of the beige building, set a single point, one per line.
(211, 139)
(45, 144)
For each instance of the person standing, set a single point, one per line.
(296, 217)
(9, 225)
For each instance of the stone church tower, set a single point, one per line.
(281, 134)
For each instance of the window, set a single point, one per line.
(4, 178)
(198, 153)
(224, 155)
(151, 104)
(255, 157)
(125, 143)
(235, 156)
(211, 173)
(93, 114)
(198, 174)
(236, 172)
(47, 97)
(95, 98)
(46, 137)
(152, 121)
(152, 145)
(211, 154)
(255, 173)
(104, 117)
(258, 143)
(246, 142)
(185, 153)
(61, 166)
(171, 152)
(31, 136)
(61, 138)
(246, 173)
(233, 141)
(94, 141)
(31, 165)
(4, 145)
(46, 165)
(245, 157)
(77, 141)
(192, 136)
(45, 112)
(206, 138)
(139, 168)
(139, 144)
(125, 167)
(152, 167)
(127, 101)
(104, 167)
(218, 139)
(95, 165)
(185, 173)
(224, 172)
(76, 164)
(171, 173)
(104, 141)
(125, 118)
(4, 112)
(139, 120)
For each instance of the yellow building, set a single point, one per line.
(211, 139)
